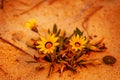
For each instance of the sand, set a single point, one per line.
(67, 14)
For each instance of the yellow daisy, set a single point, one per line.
(77, 42)
(31, 24)
(47, 45)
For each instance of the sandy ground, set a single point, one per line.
(67, 14)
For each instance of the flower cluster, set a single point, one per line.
(66, 52)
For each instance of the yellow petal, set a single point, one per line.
(81, 47)
(56, 44)
(32, 21)
(27, 25)
(76, 49)
(39, 42)
(72, 43)
(51, 51)
(37, 46)
(77, 36)
(45, 51)
(43, 39)
(55, 39)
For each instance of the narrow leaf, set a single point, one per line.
(78, 55)
(49, 31)
(31, 61)
(64, 34)
(78, 31)
(72, 34)
(55, 28)
(39, 68)
(58, 33)
(31, 46)
(94, 48)
(71, 69)
(50, 70)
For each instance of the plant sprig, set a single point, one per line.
(66, 56)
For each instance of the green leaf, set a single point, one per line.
(64, 34)
(49, 31)
(58, 33)
(61, 42)
(55, 28)
(81, 63)
(70, 36)
(78, 55)
(79, 32)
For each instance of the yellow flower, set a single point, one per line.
(47, 45)
(78, 43)
(31, 24)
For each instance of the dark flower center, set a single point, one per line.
(77, 44)
(48, 45)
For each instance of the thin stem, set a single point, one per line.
(50, 70)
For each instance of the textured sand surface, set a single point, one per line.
(67, 15)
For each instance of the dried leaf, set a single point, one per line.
(62, 69)
(31, 46)
(56, 67)
(31, 61)
(39, 68)
(48, 58)
(71, 69)
(35, 29)
(93, 62)
(94, 48)
(50, 70)
(31, 43)
(97, 42)
(36, 58)
(84, 65)
(96, 63)
(102, 46)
